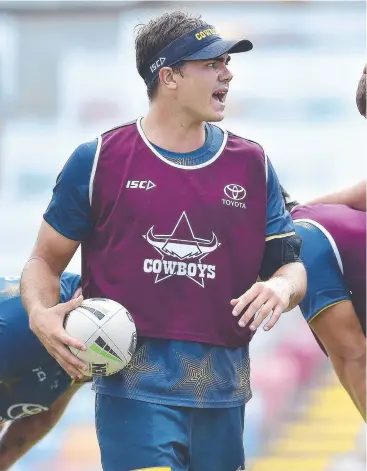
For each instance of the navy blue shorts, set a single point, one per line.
(136, 435)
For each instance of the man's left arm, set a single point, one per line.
(18, 437)
(284, 274)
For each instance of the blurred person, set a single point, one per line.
(333, 227)
(34, 389)
(176, 219)
(334, 253)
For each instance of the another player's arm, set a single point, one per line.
(353, 196)
(21, 435)
(66, 222)
(341, 334)
(285, 275)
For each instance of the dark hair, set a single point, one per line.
(289, 203)
(157, 34)
(361, 94)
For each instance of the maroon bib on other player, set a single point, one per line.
(347, 228)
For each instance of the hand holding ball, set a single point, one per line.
(108, 331)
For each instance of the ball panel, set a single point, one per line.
(101, 308)
(122, 332)
(100, 356)
(80, 324)
(107, 353)
(112, 347)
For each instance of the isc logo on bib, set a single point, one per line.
(142, 184)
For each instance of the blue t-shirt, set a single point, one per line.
(326, 285)
(163, 371)
(30, 379)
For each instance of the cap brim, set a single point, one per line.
(220, 47)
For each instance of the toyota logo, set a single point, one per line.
(235, 192)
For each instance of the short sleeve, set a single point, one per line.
(69, 211)
(279, 221)
(326, 285)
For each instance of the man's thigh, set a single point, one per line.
(135, 435)
(217, 440)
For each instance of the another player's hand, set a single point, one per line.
(47, 324)
(266, 298)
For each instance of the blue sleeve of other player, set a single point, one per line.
(69, 283)
(326, 285)
(69, 211)
(279, 221)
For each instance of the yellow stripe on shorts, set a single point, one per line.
(154, 469)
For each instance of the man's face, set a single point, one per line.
(203, 88)
(361, 94)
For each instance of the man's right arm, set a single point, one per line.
(40, 282)
(40, 293)
(67, 221)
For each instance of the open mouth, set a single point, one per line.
(220, 96)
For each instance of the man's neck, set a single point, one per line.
(172, 130)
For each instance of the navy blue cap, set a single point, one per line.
(199, 44)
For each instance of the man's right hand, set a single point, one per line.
(47, 325)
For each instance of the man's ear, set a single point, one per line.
(168, 78)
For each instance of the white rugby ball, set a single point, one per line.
(108, 331)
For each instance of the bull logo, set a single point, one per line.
(181, 249)
(186, 250)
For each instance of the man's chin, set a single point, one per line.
(216, 117)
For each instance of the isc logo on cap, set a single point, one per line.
(158, 63)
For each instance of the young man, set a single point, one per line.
(176, 220)
(334, 253)
(34, 389)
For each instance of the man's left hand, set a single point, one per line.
(262, 299)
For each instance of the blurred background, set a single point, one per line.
(67, 73)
